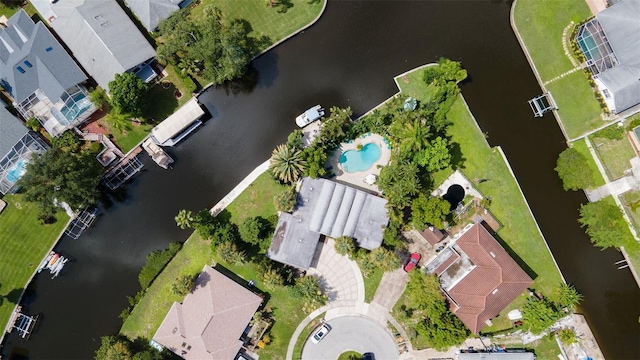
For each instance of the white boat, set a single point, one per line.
(157, 153)
(310, 116)
(46, 260)
(55, 271)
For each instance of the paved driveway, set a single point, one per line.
(355, 333)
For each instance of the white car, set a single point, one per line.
(320, 333)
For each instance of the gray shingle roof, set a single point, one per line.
(100, 34)
(332, 209)
(621, 25)
(11, 131)
(151, 12)
(31, 58)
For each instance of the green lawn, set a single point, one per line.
(545, 348)
(24, 242)
(630, 200)
(614, 155)
(540, 24)
(297, 349)
(371, 284)
(266, 20)
(9, 10)
(577, 106)
(581, 147)
(257, 200)
(519, 234)
(130, 138)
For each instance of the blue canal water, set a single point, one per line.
(360, 160)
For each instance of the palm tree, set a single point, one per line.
(414, 138)
(287, 164)
(119, 120)
(184, 219)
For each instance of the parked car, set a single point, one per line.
(368, 356)
(413, 261)
(320, 333)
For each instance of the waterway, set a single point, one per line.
(348, 58)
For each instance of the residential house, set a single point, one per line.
(17, 146)
(152, 12)
(611, 44)
(101, 36)
(478, 277)
(40, 76)
(327, 208)
(211, 320)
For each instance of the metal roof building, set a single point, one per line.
(611, 45)
(152, 12)
(327, 208)
(101, 37)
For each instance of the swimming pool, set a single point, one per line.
(16, 171)
(73, 109)
(360, 160)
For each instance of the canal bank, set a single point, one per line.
(324, 66)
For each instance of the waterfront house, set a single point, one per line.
(327, 208)
(211, 320)
(478, 277)
(152, 12)
(17, 146)
(101, 37)
(611, 44)
(42, 79)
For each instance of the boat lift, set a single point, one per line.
(23, 323)
(81, 222)
(541, 104)
(122, 172)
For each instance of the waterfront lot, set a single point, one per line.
(24, 242)
(614, 154)
(519, 235)
(541, 25)
(581, 147)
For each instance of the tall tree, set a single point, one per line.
(573, 170)
(427, 210)
(399, 182)
(128, 93)
(287, 164)
(604, 224)
(61, 175)
(185, 219)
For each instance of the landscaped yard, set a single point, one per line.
(577, 106)
(581, 147)
(519, 235)
(267, 20)
(288, 311)
(631, 202)
(614, 155)
(540, 24)
(24, 242)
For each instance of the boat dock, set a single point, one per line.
(157, 153)
(22, 323)
(124, 170)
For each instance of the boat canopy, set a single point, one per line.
(313, 114)
(178, 121)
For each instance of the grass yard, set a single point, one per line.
(297, 349)
(371, 284)
(545, 349)
(577, 105)
(519, 235)
(631, 203)
(581, 147)
(288, 312)
(614, 155)
(540, 24)
(265, 20)
(130, 138)
(9, 10)
(24, 242)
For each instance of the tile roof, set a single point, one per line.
(491, 285)
(209, 322)
(433, 235)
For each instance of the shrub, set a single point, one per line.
(183, 284)
(567, 336)
(251, 230)
(228, 251)
(286, 200)
(308, 289)
(613, 132)
(156, 261)
(345, 246)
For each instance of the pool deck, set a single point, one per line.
(357, 178)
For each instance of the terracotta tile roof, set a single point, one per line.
(209, 322)
(493, 284)
(432, 235)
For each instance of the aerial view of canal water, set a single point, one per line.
(348, 58)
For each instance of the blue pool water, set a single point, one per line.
(16, 172)
(360, 160)
(72, 111)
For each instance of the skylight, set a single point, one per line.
(20, 70)
(28, 64)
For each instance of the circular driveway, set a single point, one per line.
(355, 333)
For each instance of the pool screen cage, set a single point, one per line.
(81, 222)
(22, 151)
(595, 47)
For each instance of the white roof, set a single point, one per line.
(178, 121)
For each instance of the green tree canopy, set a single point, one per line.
(604, 224)
(128, 93)
(286, 200)
(62, 174)
(427, 210)
(287, 164)
(308, 288)
(573, 170)
(539, 314)
(399, 182)
(251, 230)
